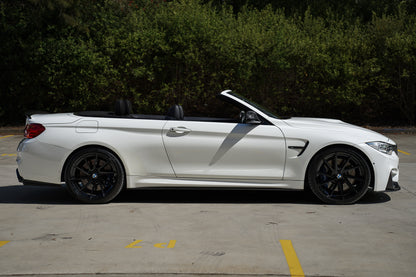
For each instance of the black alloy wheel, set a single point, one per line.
(339, 175)
(94, 176)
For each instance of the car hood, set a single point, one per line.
(335, 126)
(316, 122)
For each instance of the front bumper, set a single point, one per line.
(392, 185)
(385, 168)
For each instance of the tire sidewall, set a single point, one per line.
(313, 167)
(82, 197)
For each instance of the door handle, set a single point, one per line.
(179, 130)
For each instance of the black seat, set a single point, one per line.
(175, 112)
(123, 107)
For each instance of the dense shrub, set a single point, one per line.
(356, 64)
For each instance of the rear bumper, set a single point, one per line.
(19, 178)
(40, 161)
(33, 183)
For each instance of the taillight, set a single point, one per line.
(33, 130)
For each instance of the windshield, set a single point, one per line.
(257, 106)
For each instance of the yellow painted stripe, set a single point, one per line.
(403, 152)
(291, 258)
(8, 155)
(133, 244)
(6, 136)
(3, 242)
(171, 243)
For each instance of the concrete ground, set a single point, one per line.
(206, 232)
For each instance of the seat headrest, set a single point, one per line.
(123, 107)
(175, 112)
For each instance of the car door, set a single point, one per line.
(223, 150)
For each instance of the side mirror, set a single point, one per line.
(242, 117)
(252, 118)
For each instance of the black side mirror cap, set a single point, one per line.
(252, 118)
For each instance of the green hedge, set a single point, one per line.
(77, 55)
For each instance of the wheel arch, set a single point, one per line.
(370, 165)
(76, 151)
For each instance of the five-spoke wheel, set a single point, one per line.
(94, 175)
(339, 175)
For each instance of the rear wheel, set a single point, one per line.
(339, 175)
(94, 176)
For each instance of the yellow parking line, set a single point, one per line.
(403, 152)
(133, 244)
(6, 136)
(8, 155)
(292, 259)
(3, 242)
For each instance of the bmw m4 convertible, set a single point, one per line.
(97, 154)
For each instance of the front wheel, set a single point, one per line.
(339, 175)
(94, 176)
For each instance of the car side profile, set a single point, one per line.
(97, 154)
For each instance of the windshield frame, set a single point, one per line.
(254, 104)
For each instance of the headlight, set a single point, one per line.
(383, 147)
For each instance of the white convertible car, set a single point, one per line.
(97, 154)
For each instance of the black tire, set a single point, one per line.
(339, 175)
(94, 176)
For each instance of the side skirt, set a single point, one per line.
(138, 182)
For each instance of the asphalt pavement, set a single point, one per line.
(44, 232)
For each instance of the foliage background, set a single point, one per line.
(354, 60)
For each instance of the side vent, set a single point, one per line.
(301, 149)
